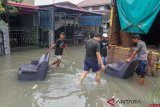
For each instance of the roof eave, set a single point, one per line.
(95, 5)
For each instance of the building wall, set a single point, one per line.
(27, 2)
(97, 8)
(105, 11)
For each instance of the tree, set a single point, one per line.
(8, 9)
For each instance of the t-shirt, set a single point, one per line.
(141, 50)
(60, 45)
(92, 46)
(103, 47)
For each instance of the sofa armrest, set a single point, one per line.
(43, 67)
(34, 62)
(27, 69)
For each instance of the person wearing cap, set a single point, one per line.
(93, 58)
(104, 48)
(141, 54)
(59, 46)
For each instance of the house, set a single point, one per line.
(100, 6)
(67, 18)
(38, 26)
(23, 26)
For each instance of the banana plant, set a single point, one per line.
(8, 9)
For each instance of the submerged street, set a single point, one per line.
(60, 88)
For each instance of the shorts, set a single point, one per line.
(91, 64)
(59, 57)
(141, 69)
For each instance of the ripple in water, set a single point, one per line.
(62, 87)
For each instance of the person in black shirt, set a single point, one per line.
(104, 48)
(59, 46)
(93, 58)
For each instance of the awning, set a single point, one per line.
(22, 6)
(79, 10)
(137, 16)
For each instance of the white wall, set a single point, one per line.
(102, 8)
(72, 1)
(90, 8)
(43, 2)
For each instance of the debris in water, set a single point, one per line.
(35, 86)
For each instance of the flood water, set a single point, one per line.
(60, 88)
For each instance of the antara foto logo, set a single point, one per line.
(114, 101)
(111, 101)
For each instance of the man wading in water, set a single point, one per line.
(59, 45)
(93, 58)
(141, 52)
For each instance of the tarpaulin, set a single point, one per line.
(137, 16)
(90, 21)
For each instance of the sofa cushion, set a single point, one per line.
(28, 68)
(40, 61)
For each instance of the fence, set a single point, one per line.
(23, 37)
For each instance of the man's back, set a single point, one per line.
(141, 51)
(92, 46)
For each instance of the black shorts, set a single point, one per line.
(91, 64)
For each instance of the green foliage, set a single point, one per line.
(8, 9)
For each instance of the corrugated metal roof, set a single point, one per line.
(22, 5)
(76, 9)
(87, 3)
(64, 5)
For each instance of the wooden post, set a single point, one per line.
(115, 28)
(125, 39)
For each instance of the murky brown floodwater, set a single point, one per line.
(60, 89)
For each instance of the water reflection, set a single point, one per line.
(60, 89)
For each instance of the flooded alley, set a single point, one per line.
(60, 89)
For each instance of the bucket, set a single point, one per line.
(158, 65)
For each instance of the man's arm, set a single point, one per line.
(132, 56)
(51, 47)
(138, 48)
(99, 58)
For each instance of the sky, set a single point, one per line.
(45, 2)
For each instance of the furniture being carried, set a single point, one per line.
(37, 70)
(122, 69)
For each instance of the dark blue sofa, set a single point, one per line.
(122, 69)
(37, 70)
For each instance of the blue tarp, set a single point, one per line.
(91, 21)
(137, 16)
(45, 20)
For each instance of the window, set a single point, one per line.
(95, 8)
(102, 8)
(90, 8)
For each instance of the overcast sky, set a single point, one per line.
(44, 2)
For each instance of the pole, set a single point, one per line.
(52, 29)
(65, 23)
